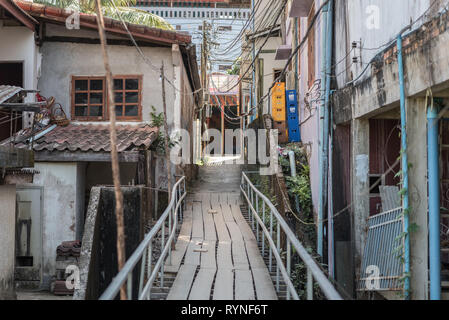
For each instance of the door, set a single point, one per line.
(28, 234)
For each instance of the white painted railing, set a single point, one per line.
(143, 254)
(257, 217)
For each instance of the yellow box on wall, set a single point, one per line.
(278, 102)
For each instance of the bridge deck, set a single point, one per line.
(216, 254)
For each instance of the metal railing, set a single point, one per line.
(383, 250)
(143, 254)
(258, 220)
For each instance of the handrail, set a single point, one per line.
(144, 251)
(314, 272)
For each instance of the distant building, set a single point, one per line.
(227, 18)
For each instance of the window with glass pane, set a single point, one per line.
(88, 96)
(127, 96)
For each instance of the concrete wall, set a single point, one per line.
(60, 204)
(7, 240)
(309, 108)
(376, 94)
(18, 46)
(98, 260)
(268, 54)
(62, 60)
(357, 21)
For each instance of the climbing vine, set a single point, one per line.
(399, 251)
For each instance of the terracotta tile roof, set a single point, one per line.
(58, 15)
(95, 138)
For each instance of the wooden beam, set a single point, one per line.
(30, 107)
(80, 156)
(19, 14)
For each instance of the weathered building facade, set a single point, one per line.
(368, 162)
(71, 141)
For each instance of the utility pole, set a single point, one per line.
(204, 54)
(167, 149)
(114, 153)
(253, 84)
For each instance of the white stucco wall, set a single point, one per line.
(18, 46)
(62, 60)
(375, 24)
(59, 208)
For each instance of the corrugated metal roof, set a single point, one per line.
(7, 92)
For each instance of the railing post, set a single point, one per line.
(162, 249)
(271, 236)
(129, 285)
(309, 284)
(279, 251)
(183, 203)
(142, 272)
(289, 269)
(252, 212)
(169, 231)
(263, 233)
(150, 267)
(257, 212)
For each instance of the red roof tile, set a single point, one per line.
(95, 137)
(89, 21)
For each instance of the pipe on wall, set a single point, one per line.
(321, 141)
(434, 203)
(405, 185)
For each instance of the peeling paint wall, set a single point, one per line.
(62, 60)
(7, 240)
(59, 209)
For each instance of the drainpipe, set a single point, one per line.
(434, 203)
(326, 121)
(323, 92)
(330, 234)
(405, 201)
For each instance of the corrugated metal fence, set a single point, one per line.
(382, 267)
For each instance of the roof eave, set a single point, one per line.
(19, 14)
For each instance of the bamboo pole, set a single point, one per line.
(114, 154)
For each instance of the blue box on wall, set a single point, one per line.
(294, 132)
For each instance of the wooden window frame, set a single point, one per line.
(105, 110)
(88, 92)
(124, 104)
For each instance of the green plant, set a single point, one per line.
(157, 121)
(115, 9)
(300, 186)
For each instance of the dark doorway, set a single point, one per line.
(11, 73)
(385, 149)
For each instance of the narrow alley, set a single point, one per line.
(217, 255)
